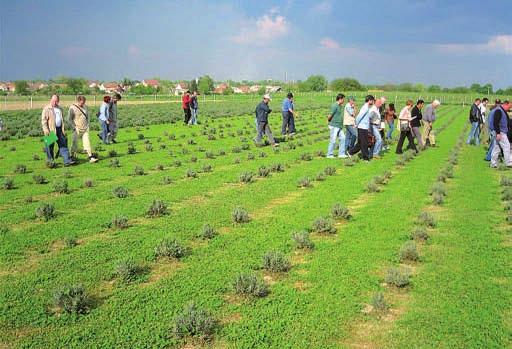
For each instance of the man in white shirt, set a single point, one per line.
(376, 125)
(52, 122)
(483, 110)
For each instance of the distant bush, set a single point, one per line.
(398, 277)
(72, 299)
(437, 199)
(506, 181)
(20, 168)
(246, 177)
(320, 177)
(506, 194)
(61, 187)
(306, 157)
(156, 209)
(193, 159)
(208, 232)
(131, 148)
(70, 241)
(426, 219)
(264, 171)
(372, 187)
(400, 162)
(149, 147)
(114, 163)
(304, 182)
(128, 270)
(140, 136)
(249, 285)
(88, 183)
(379, 180)
(46, 211)
(170, 248)
(409, 252)
(191, 173)
(330, 171)
(112, 153)
(39, 179)
(379, 302)
(120, 222)
(323, 226)
(387, 175)
(302, 240)
(438, 188)
(167, 180)
(159, 167)
(120, 192)
(240, 215)
(419, 234)
(250, 156)
(276, 262)
(138, 171)
(340, 211)
(277, 167)
(67, 174)
(8, 184)
(195, 322)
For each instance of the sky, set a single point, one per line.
(450, 43)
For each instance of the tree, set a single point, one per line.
(434, 88)
(205, 85)
(76, 86)
(228, 91)
(127, 82)
(21, 87)
(262, 90)
(314, 83)
(193, 86)
(346, 84)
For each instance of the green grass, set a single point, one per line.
(315, 304)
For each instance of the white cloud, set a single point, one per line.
(266, 28)
(330, 44)
(497, 43)
(323, 7)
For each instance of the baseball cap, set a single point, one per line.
(267, 96)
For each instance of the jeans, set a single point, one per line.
(112, 129)
(193, 119)
(336, 133)
(492, 136)
(62, 142)
(104, 132)
(503, 145)
(264, 127)
(416, 132)
(377, 147)
(85, 140)
(474, 133)
(188, 115)
(288, 123)
(389, 134)
(361, 145)
(350, 137)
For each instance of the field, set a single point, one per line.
(403, 252)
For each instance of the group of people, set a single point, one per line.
(190, 105)
(53, 124)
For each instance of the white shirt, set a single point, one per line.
(375, 115)
(58, 117)
(483, 110)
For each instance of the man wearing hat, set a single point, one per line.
(288, 116)
(262, 111)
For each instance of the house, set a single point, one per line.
(111, 87)
(153, 83)
(272, 89)
(37, 86)
(93, 84)
(254, 88)
(11, 86)
(3, 86)
(180, 88)
(219, 89)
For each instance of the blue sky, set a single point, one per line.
(429, 41)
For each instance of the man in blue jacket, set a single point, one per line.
(475, 117)
(288, 111)
(363, 125)
(262, 111)
(500, 126)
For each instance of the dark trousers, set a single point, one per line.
(288, 123)
(403, 135)
(62, 142)
(264, 128)
(188, 115)
(361, 145)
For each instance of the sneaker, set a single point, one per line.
(69, 163)
(330, 156)
(343, 156)
(275, 145)
(292, 134)
(114, 141)
(92, 160)
(377, 157)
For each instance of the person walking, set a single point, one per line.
(363, 125)
(475, 118)
(404, 122)
(500, 126)
(389, 117)
(483, 112)
(349, 121)
(52, 122)
(429, 119)
(262, 111)
(185, 104)
(104, 118)
(288, 111)
(194, 106)
(416, 118)
(335, 119)
(78, 117)
(375, 126)
(490, 127)
(112, 122)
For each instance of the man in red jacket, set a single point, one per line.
(185, 103)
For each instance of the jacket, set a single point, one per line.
(500, 122)
(262, 111)
(416, 117)
(78, 118)
(475, 115)
(349, 115)
(363, 118)
(104, 113)
(48, 120)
